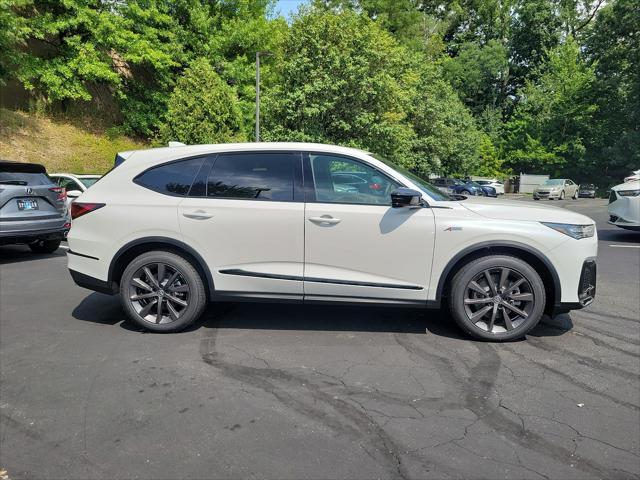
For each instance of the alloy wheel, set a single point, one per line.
(159, 293)
(498, 300)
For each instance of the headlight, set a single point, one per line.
(628, 193)
(574, 231)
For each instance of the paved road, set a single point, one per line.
(273, 391)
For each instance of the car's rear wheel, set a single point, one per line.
(498, 297)
(575, 195)
(162, 292)
(465, 192)
(44, 246)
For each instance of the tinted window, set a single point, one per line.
(89, 181)
(23, 178)
(67, 183)
(171, 178)
(257, 176)
(371, 187)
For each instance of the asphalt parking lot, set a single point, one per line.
(281, 391)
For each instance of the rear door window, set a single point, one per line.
(253, 176)
(173, 178)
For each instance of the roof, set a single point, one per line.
(248, 146)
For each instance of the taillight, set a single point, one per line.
(80, 209)
(61, 192)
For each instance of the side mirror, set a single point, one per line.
(74, 193)
(405, 197)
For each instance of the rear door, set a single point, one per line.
(245, 215)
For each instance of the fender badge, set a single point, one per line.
(452, 228)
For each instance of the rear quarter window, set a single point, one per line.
(173, 178)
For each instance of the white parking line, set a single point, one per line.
(625, 246)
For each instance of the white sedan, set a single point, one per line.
(75, 185)
(624, 205)
(499, 186)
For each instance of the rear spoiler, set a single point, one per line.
(122, 156)
(19, 167)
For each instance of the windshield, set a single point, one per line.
(425, 186)
(474, 184)
(484, 182)
(89, 181)
(588, 186)
(554, 182)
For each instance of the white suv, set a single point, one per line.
(170, 229)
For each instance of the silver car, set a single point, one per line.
(556, 188)
(33, 209)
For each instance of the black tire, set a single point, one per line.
(186, 287)
(465, 192)
(481, 326)
(575, 195)
(561, 195)
(44, 246)
(535, 198)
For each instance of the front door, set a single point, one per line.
(357, 247)
(244, 219)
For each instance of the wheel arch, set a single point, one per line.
(131, 250)
(534, 257)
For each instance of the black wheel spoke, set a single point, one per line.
(150, 277)
(176, 300)
(140, 284)
(515, 309)
(160, 273)
(143, 296)
(507, 319)
(477, 301)
(480, 313)
(494, 313)
(475, 286)
(522, 297)
(145, 310)
(179, 289)
(159, 311)
(171, 281)
(504, 274)
(492, 286)
(172, 311)
(514, 285)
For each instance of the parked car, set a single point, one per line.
(74, 184)
(32, 208)
(588, 190)
(178, 227)
(624, 205)
(497, 185)
(556, 188)
(463, 187)
(635, 175)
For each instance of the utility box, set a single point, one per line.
(529, 182)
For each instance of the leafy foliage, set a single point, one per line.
(202, 108)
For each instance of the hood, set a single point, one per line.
(632, 185)
(517, 210)
(548, 187)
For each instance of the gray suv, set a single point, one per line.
(33, 210)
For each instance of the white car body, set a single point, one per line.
(499, 186)
(313, 251)
(624, 205)
(75, 185)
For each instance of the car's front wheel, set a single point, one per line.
(562, 195)
(44, 246)
(498, 297)
(162, 292)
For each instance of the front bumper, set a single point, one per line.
(549, 195)
(586, 289)
(11, 238)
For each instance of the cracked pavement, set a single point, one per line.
(287, 391)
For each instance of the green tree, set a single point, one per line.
(343, 80)
(202, 108)
(550, 128)
(614, 49)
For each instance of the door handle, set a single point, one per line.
(198, 215)
(326, 219)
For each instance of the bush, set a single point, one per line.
(202, 108)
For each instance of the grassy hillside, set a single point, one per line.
(61, 146)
